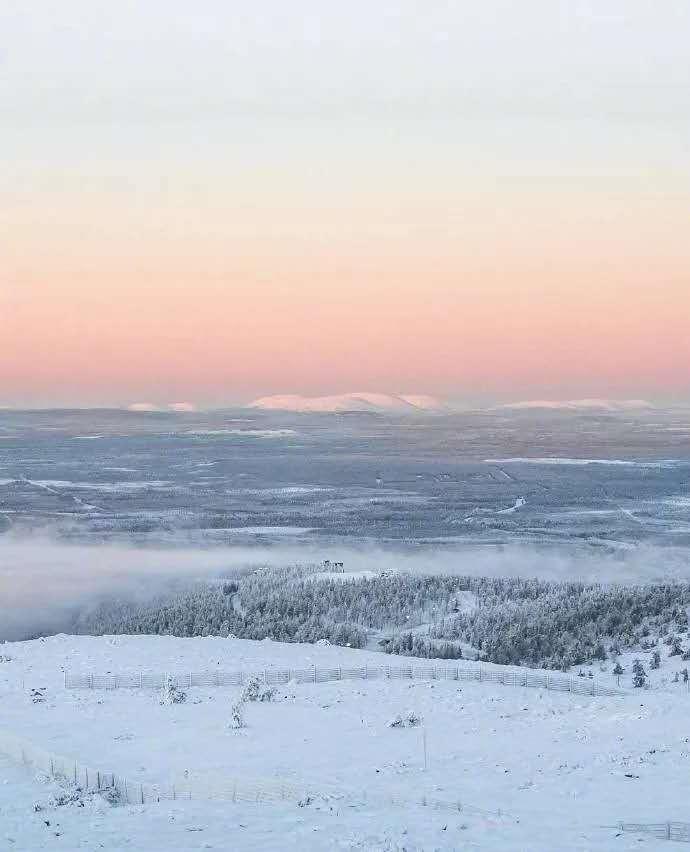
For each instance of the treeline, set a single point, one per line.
(512, 621)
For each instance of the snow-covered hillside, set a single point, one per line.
(363, 401)
(558, 766)
(583, 404)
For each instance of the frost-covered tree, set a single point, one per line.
(237, 715)
(639, 674)
(256, 690)
(170, 692)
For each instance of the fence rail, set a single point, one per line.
(254, 791)
(678, 831)
(526, 677)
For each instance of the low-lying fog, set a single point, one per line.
(44, 584)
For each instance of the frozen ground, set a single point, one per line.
(560, 766)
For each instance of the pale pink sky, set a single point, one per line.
(339, 210)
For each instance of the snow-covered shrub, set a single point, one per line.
(255, 690)
(237, 715)
(409, 720)
(171, 693)
(252, 690)
(37, 695)
(70, 794)
(267, 693)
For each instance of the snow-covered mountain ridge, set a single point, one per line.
(355, 401)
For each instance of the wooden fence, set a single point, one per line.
(254, 791)
(217, 678)
(678, 831)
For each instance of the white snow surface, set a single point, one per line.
(561, 767)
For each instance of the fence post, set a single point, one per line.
(141, 680)
(65, 678)
(365, 671)
(141, 790)
(668, 831)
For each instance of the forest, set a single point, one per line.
(502, 620)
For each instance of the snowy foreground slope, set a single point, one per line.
(559, 767)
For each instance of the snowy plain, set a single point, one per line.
(554, 764)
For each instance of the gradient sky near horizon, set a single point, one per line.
(213, 201)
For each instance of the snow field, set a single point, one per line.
(560, 765)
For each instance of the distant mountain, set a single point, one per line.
(583, 404)
(373, 402)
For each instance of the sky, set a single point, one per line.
(214, 201)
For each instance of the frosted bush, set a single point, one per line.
(255, 690)
(251, 690)
(237, 715)
(409, 720)
(69, 794)
(171, 693)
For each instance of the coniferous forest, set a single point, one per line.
(502, 620)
